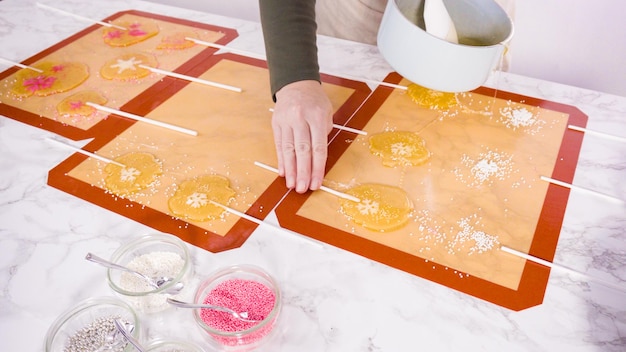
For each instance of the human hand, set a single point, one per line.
(302, 120)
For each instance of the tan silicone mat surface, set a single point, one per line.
(481, 188)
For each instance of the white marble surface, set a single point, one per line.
(333, 300)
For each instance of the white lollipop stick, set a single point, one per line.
(559, 267)
(322, 188)
(260, 222)
(349, 129)
(583, 190)
(596, 133)
(143, 119)
(226, 48)
(20, 65)
(191, 79)
(84, 152)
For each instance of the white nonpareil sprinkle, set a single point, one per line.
(520, 117)
(488, 167)
(482, 241)
(153, 264)
(401, 149)
(484, 169)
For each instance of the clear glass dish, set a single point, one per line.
(172, 346)
(89, 326)
(241, 288)
(154, 255)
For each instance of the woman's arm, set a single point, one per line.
(289, 31)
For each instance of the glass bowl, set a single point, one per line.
(89, 326)
(243, 288)
(154, 255)
(172, 346)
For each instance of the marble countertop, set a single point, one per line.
(334, 300)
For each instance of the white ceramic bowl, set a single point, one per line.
(483, 29)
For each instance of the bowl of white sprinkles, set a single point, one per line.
(89, 326)
(155, 255)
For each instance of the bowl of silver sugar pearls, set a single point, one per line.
(90, 326)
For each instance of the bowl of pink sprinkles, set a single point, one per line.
(248, 290)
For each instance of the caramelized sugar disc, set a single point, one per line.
(399, 148)
(382, 208)
(431, 99)
(74, 105)
(176, 41)
(140, 171)
(135, 32)
(56, 77)
(126, 67)
(192, 198)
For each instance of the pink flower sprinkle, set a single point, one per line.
(38, 83)
(242, 296)
(75, 105)
(136, 32)
(58, 68)
(114, 34)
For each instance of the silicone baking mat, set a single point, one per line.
(233, 127)
(87, 47)
(481, 188)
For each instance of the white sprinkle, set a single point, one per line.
(518, 117)
(488, 167)
(482, 241)
(153, 264)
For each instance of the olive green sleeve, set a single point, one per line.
(289, 31)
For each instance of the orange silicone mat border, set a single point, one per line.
(143, 104)
(534, 278)
(76, 133)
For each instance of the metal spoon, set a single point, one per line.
(113, 341)
(128, 336)
(155, 282)
(243, 316)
